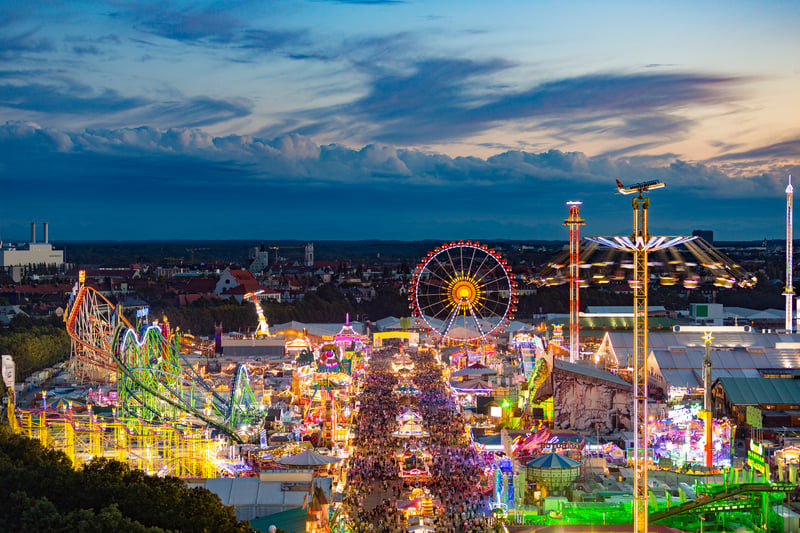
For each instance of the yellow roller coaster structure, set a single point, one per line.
(156, 449)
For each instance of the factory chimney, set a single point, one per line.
(33, 232)
(45, 226)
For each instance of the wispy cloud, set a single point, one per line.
(198, 111)
(14, 46)
(788, 149)
(65, 96)
(186, 25)
(447, 99)
(60, 99)
(262, 40)
(92, 46)
(86, 49)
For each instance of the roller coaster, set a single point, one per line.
(154, 386)
(740, 497)
(155, 382)
(155, 448)
(91, 321)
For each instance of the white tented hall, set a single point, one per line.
(675, 359)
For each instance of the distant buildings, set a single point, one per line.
(705, 234)
(236, 283)
(31, 254)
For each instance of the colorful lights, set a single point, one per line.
(463, 291)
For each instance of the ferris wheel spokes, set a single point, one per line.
(463, 291)
(451, 320)
(474, 312)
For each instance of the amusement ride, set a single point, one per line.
(463, 291)
(166, 416)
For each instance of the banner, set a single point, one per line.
(8, 371)
(754, 419)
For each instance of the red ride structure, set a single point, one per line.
(574, 222)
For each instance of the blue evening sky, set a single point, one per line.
(392, 119)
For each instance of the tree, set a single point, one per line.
(34, 343)
(46, 494)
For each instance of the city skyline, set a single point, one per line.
(389, 119)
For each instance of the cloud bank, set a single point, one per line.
(135, 183)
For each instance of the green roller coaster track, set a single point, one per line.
(152, 385)
(714, 501)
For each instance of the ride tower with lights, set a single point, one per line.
(574, 222)
(263, 327)
(640, 243)
(707, 407)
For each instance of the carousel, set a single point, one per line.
(414, 464)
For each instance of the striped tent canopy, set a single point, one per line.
(552, 460)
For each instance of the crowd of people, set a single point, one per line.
(375, 492)
(457, 469)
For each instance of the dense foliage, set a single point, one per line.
(43, 493)
(34, 343)
(325, 305)
(200, 317)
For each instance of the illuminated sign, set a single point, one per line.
(680, 415)
(754, 417)
(8, 371)
(755, 456)
(81, 276)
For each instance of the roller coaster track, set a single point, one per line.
(148, 386)
(100, 337)
(707, 502)
(90, 323)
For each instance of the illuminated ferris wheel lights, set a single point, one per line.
(462, 291)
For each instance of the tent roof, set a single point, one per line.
(553, 460)
(474, 370)
(308, 458)
(590, 371)
(293, 520)
(761, 391)
(471, 384)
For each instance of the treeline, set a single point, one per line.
(34, 343)
(42, 492)
(200, 317)
(327, 305)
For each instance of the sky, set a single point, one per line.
(393, 119)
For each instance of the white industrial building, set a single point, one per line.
(31, 253)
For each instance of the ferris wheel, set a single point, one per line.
(463, 291)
